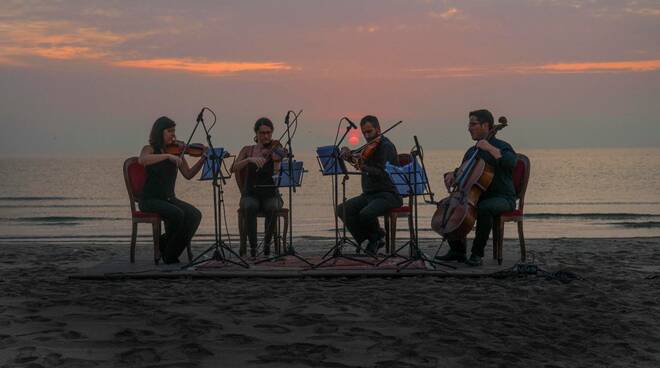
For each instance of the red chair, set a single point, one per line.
(520, 180)
(135, 177)
(390, 218)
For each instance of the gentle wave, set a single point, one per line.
(592, 216)
(589, 203)
(59, 219)
(63, 206)
(37, 198)
(638, 225)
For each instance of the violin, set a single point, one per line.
(274, 150)
(456, 214)
(357, 156)
(178, 148)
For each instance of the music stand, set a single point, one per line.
(290, 176)
(411, 181)
(331, 164)
(212, 170)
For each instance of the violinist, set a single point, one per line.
(378, 193)
(500, 195)
(181, 219)
(254, 168)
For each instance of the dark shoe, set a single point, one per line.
(266, 250)
(171, 261)
(253, 251)
(474, 260)
(374, 246)
(452, 256)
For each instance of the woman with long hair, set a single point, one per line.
(181, 219)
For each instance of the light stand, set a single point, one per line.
(219, 247)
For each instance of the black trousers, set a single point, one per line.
(251, 205)
(181, 222)
(487, 210)
(362, 213)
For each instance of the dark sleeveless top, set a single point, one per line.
(161, 178)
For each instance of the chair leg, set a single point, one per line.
(392, 220)
(133, 241)
(496, 236)
(190, 253)
(284, 233)
(276, 236)
(242, 248)
(156, 235)
(521, 237)
(500, 241)
(386, 223)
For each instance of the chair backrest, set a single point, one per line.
(404, 159)
(135, 176)
(521, 178)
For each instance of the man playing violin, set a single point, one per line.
(500, 195)
(254, 169)
(378, 193)
(181, 219)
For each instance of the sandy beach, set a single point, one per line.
(609, 318)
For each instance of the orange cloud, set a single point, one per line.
(606, 66)
(216, 68)
(450, 13)
(57, 40)
(554, 68)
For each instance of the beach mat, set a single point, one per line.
(290, 267)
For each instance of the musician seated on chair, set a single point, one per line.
(378, 193)
(254, 169)
(500, 196)
(181, 219)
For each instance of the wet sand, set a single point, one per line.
(610, 318)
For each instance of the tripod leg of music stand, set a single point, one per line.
(394, 254)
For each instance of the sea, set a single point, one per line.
(583, 193)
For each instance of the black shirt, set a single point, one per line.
(502, 184)
(161, 178)
(374, 176)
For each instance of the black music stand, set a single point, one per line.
(331, 164)
(212, 170)
(290, 176)
(411, 181)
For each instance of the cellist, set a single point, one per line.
(378, 193)
(500, 195)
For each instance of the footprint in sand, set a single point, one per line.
(277, 329)
(239, 339)
(326, 329)
(73, 335)
(302, 319)
(26, 354)
(139, 356)
(195, 350)
(129, 334)
(305, 353)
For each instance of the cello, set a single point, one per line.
(456, 214)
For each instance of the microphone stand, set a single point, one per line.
(219, 247)
(290, 251)
(336, 250)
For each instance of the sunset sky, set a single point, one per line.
(91, 77)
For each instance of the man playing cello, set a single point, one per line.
(500, 195)
(378, 193)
